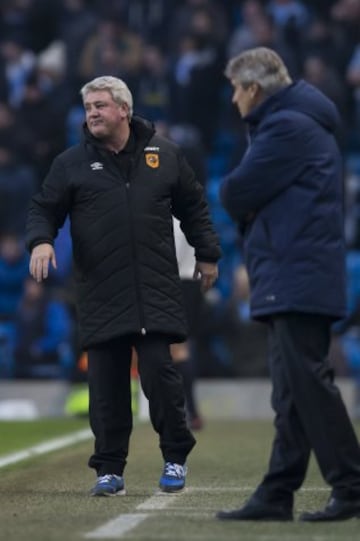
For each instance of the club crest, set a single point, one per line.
(152, 160)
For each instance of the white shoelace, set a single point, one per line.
(107, 477)
(174, 470)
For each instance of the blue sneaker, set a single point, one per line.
(108, 485)
(173, 477)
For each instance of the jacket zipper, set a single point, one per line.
(135, 259)
(136, 158)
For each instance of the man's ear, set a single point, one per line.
(255, 90)
(124, 109)
(257, 94)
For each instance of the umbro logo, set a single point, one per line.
(97, 166)
(151, 149)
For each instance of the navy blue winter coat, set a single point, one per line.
(286, 195)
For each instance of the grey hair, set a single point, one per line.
(259, 65)
(119, 90)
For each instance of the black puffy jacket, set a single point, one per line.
(124, 256)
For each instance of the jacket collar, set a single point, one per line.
(270, 104)
(143, 130)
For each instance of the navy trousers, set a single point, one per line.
(310, 413)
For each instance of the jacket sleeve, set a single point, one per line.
(48, 208)
(270, 165)
(190, 207)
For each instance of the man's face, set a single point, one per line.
(103, 116)
(243, 99)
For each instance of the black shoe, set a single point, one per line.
(335, 509)
(255, 509)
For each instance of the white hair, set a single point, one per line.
(119, 90)
(259, 65)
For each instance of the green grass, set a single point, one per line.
(46, 498)
(17, 435)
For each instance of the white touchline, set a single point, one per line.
(245, 488)
(117, 527)
(157, 502)
(122, 524)
(46, 447)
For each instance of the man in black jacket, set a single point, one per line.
(121, 186)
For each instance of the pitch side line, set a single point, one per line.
(116, 528)
(245, 488)
(123, 524)
(46, 447)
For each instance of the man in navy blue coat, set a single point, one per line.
(286, 196)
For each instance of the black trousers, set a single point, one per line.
(110, 401)
(310, 413)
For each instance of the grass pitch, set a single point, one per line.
(17, 435)
(46, 498)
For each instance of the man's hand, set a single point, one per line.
(207, 273)
(40, 258)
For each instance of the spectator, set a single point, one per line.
(43, 23)
(15, 18)
(196, 81)
(347, 332)
(43, 330)
(14, 264)
(17, 179)
(288, 12)
(17, 185)
(352, 209)
(322, 38)
(244, 35)
(325, 78)
(353, 79)
(153, 85)
(151, 19)
(183, 16)
(76, 23)
(18, 63)
(50, 76)
(113, 49)
(44, 121)
(189, 139)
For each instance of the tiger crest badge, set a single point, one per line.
(152, 160)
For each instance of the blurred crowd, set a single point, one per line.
(172, 54)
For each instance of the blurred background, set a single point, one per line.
(172, 54)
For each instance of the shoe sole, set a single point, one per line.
(331, 519)
(170, 490)
(107, 494)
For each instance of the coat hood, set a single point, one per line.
(303, 98)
